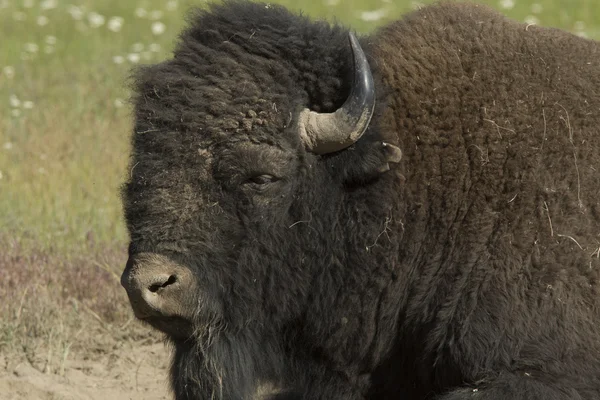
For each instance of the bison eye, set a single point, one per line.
(260, 181)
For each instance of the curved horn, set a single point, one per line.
(324, 133)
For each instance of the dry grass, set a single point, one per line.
(61, 305)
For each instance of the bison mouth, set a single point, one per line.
(175, 327)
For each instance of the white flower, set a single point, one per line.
(28, 3)
(158, 28)
(375, 15)
(137, 47)
(14, 101)
(42, 171)
(118, 59)
(8, 146)
(95, 20)
(9, 71)
(332, 2)
(119, 103)
(4, 3)
(51, 40)
(42, 20)
(48, 49)
(155, 15)
(171, 5)
(48, 4)
(154, 47)
(579, 26)
(536, 8)
(140, 12)
(31, 47)
(133, 57)
(15, 112)
(1, 176)
(507, 4)
(532, 20)
(581, 34)
(28, 105)
(75, 11)
(19, 16)
(115, 24)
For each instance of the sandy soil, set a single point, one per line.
(136, 372)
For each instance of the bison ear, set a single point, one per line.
(364, 162)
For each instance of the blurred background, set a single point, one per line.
(64, 127)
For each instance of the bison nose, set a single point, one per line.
(156, 286)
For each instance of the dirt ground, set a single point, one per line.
(136, 372)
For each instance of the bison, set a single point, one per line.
(413, 214)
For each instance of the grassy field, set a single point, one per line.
(64, 126)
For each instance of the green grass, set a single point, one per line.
(64, 128)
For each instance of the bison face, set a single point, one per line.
(230, 210)
(213, 238)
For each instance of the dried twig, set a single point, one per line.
(572, 238)
(549, 219)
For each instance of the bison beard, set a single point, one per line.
(282, 269)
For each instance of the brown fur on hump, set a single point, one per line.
(505, 112)
(498, 122)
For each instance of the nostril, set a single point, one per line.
(160, 285)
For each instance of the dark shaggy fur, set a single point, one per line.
(470, 270)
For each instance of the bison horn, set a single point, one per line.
(324, 133)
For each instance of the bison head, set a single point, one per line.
(244, 166)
